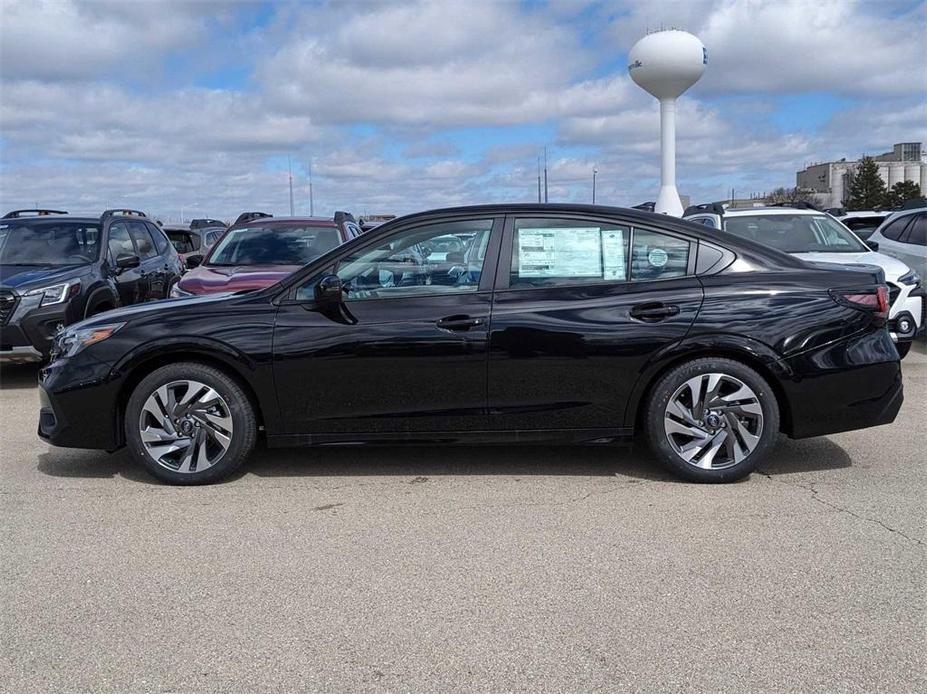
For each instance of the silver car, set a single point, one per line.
(190, 242)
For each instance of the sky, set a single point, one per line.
(195, 107)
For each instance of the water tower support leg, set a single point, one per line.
(668, 201)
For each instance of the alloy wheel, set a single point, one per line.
(185, 426)
(713, 421)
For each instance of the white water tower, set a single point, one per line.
(665, 64)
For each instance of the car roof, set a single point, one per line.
(747, 211)
(865, 213)
(52, 218)
(283, 221)
(900, 213)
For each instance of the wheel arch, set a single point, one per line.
(102, 294)
(751, 353)
(138, 366)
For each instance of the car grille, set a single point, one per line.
(893, 291)
(8, 302)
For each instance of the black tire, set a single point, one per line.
(668, 384)
(903, 349)
(241, 411)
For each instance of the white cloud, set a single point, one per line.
(71, 39)
(378, 93)
(433, 64)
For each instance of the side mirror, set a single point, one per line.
(873, 245)
(125, 262)
(193, 261)
(329, 290)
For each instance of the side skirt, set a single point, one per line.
(563, 436)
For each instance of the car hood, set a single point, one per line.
(209, 279)
(24, 277)
(127, 313)
(892, 267)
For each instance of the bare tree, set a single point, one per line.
(790, 195)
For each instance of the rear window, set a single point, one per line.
(795, 233)
(182, 241)
(261, 245)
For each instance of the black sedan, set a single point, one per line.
(559, 323)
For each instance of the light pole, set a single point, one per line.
(594, 172)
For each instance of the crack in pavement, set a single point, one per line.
(815, 497)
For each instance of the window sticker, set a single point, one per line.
(657, 257)
(613, 255)
(571, 252)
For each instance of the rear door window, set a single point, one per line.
(917, 231)
(549, 252)
(120, 243)
(160, 240)
(142, 238)
(893, 229)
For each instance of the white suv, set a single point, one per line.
(818, 237)
(904, 236)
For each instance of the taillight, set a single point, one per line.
(874, 300)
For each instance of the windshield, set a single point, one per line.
(48, 243)
(800, 233)
(273, 245)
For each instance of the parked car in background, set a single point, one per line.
(56, 269)
(862, 222)
(576, 323)
(190, 242)
(263, 250)
(904, 236)
(817, 237)
(203, 223)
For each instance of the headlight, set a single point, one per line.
(910, 278)
(177, 292)
(57, 293)
(70, 342)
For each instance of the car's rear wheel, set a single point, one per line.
(189, 423)
(712, 420)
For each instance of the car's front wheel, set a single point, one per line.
(190, 423)
(712, 420)
(903, 349)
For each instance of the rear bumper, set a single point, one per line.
(852, 384)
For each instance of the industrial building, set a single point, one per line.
(831, 180)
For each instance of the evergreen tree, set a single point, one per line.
(867, 191)
(902, 191)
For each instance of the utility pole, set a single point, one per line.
(594, 172)
(289, 167)
(545, 173)
(311, 203)
(539, 178)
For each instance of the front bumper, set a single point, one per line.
(854, 383)
(20, 354)
(32, 327)
(909, 303)
(78, 406)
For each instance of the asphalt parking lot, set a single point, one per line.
(466, 568)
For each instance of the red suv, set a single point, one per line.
(259, 250)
